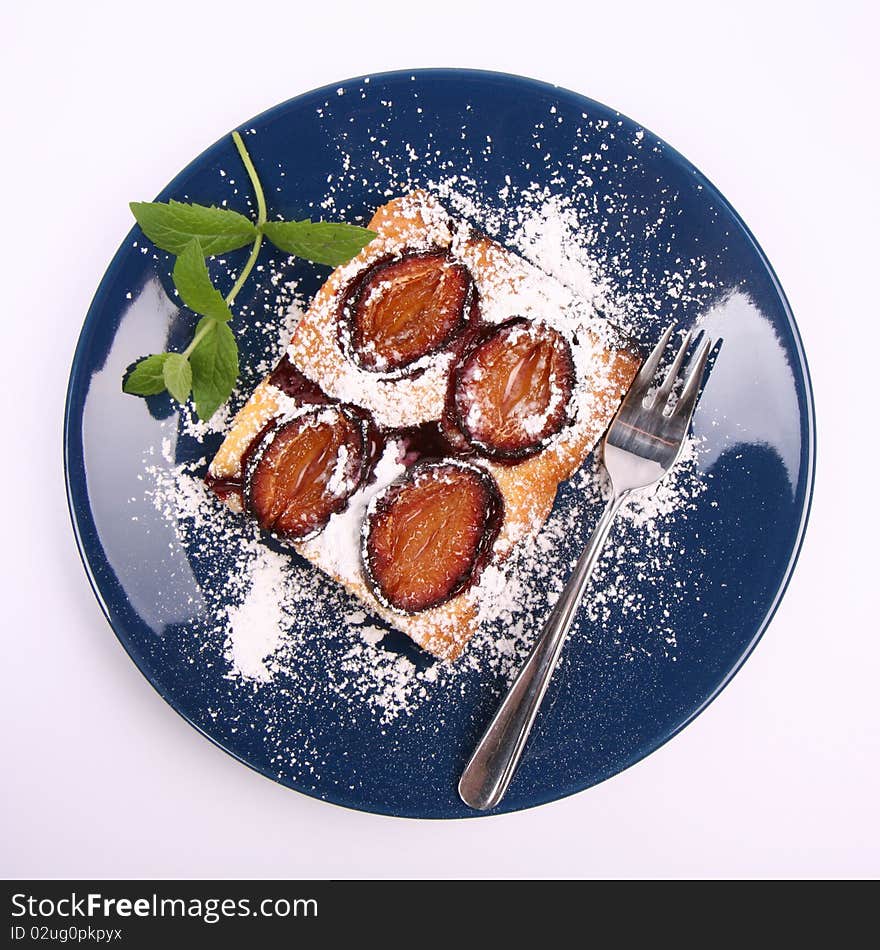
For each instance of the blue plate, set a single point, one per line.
(617, 697)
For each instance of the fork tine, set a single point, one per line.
(649, 367)
(664, 391)
(688, 398)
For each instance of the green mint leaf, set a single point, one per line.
(172, 226)
(193, 283)
(177, 374)
(146, 378)
(324, 242)
(214, 367)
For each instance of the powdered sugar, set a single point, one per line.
(256, 624)
(276, 617)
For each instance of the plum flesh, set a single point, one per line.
(428, 536)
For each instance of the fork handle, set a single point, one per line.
(492, 766)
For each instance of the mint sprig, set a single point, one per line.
(208, 367)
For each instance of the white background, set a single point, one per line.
(105, 102)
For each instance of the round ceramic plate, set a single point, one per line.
(635, 671)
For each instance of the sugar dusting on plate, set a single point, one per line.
(275, 615)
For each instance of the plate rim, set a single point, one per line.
(73, 458)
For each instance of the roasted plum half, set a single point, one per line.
(427, 536)
(303, 469)
(400, 310)
(513, 389)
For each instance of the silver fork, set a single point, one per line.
(642, 444)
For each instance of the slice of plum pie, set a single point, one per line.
(433, 397)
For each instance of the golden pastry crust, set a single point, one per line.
(528, 488)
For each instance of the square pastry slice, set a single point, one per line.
(431, 401)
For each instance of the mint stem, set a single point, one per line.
(246, 270)
(252, 174)
(202, 333)
(261, 218)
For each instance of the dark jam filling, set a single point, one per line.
(425, 441)
(225, 488)
(295, 384)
